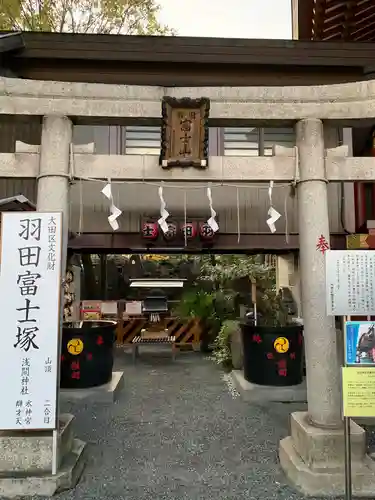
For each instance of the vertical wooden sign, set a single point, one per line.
(184, 135)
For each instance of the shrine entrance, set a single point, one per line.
(172, 298)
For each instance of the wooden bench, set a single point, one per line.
(153, 339)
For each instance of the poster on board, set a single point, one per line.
(358, 389)
(360, 343)
(30, 281)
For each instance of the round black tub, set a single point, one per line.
(87, 354)
(273, 355)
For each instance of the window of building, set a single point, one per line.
(235, 141)
(145, 140)
(241, 141)
(252, 141)
(142, 140)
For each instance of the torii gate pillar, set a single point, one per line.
(53, 180)
(313, 456)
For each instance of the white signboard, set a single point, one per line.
(133, 307)
(30, 284)
(350, 282)
(109, 308)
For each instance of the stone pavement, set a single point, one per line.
(179, 431)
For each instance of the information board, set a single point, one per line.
(350, 282)
(358, 389)
(30, 283)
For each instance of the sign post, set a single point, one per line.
(30, 280)
(350, 290)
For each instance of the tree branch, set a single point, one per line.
(83, 16)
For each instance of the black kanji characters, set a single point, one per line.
(30, 228)
(27, 283)
(26, 338)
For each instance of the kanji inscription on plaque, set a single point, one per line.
(184, 134)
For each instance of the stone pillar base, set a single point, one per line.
(26, 462)
(313, 459)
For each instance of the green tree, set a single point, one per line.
(133, 17)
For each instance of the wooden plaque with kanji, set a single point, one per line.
(184, 135)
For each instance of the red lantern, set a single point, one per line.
(171, 233)
(189, 230)
(206, 232)
(150, 230)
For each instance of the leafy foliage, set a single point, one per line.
(225, 268)
(220, 279)
(197, 303)
(83, 16)
(228, 270)
(222, 352)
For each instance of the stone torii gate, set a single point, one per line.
(312, 456)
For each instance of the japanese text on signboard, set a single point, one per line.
(350, 282)
(30, 276)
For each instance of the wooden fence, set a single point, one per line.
(186, 332)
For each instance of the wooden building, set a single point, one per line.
(334, 20)
(345, 21)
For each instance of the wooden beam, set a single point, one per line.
(332, 25)
(318, 19)
(305, 19)
(360, 21)
(365, 33)
(249, 243)
(336, 21)
(349, 17)
(11, 41)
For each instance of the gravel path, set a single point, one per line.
(179, 431)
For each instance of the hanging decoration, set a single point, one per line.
(115, 212)
(189, 230)
(238, 215)
(185, 219)
(171, 232)
(69, 296)
(274, 215)
(164, 214)
(206, 233)
(150, 231)
(212, 221)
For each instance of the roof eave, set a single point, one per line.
(11, 41)
(17, 203)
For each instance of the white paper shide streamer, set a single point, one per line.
(164, 214)
(115, 212)
(274, 215)
(212, 221)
